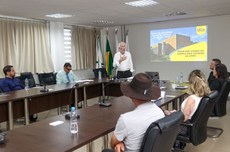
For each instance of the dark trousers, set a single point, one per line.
(124, 74)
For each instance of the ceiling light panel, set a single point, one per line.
(142, 3)
(59, 15)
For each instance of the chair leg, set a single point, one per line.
(214, 132)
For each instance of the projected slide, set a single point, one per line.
(179, 44)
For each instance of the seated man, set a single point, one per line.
(131, 126)
(10, 83)
(66, 75)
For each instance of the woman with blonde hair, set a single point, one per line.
(198, 88)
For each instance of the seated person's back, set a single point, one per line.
(131, 126)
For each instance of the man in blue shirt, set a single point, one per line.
(10, 83)
(66, 75)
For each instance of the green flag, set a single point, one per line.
(108, 59)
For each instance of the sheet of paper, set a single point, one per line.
(170, 96)
(56, 123)
(86, 80)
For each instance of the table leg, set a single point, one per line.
(105, 141)
(26, 110)
(103, 91)
(85, 97)
(90, 147)
(10, 116)
(75, 98)
(174, 104)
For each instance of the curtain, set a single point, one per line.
(25, 45)
(57, 45)
(83, 48)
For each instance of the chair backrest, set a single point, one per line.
(154, 75)
(47, 78)
(103, 72)
(29, 76)
(160, 135)
(221, 101)
(198, 131)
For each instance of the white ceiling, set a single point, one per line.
(86, 12)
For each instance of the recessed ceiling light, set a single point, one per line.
(59, 15)
(142, 3)
(176, 13)
(104, 22)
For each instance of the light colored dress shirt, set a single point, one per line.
(62, 77)
(125, 65)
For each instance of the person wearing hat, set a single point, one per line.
(131, 126)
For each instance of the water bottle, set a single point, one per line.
(181, 78)
(26, 84)
(99, 75)
(73, 121)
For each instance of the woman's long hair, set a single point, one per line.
(221, 71)
(198, 84)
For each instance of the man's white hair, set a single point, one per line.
(119, 45)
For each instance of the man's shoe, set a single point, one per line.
(33, 118)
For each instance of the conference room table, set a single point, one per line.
(94, 122)
(21, 103)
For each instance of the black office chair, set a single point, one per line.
(197, 126)
(47, 78)
(219, 109)
(221, 101)
(29, 76)
(103, 72)
(160, 135)
(154, 75)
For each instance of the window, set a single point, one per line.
(67, 44)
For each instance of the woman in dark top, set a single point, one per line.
(220, 73)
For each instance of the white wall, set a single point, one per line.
(218, 46)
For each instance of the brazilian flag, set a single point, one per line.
(108, 59)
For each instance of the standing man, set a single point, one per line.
(66, 75)
(123, 62)
(212, 65)
(131, 126)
